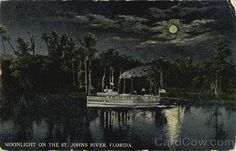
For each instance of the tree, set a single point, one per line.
(8, 40)
(63, 53)
(221, 65)
(88, 45)
(3, 30)
(52, 40)
(183, 70)
(80, 59)
(26, 67)
(109, 60)
(160, 72)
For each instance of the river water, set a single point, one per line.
(199, 126)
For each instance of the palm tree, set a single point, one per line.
(104, 63)
(69, 50)
(8, 40)
(52, 40)
(109, 61)
(3, 30)
(88, 44)
(64, 52)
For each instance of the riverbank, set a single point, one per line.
(178, 96)
(181, 94)
(79, 99)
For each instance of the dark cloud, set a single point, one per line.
(141, 27)
(157, 31)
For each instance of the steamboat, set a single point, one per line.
(135, 98)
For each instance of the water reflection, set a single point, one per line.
(175, 118)
(150, 128)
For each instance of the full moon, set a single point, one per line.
(173, 29)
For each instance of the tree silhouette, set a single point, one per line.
(88, 46)
(221, 64)
(3, 30)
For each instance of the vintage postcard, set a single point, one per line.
(117, 75)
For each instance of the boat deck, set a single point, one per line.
(123, 100)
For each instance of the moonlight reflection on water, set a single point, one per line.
(147, 128)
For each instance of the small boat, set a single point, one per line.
(115, 100)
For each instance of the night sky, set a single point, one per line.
(140, 29)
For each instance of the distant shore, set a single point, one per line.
(184, 95)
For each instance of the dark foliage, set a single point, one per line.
(71, 67)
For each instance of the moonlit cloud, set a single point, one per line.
(196, 25)
(141, 27)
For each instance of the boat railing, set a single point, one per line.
(117, 97)
(121, 98)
